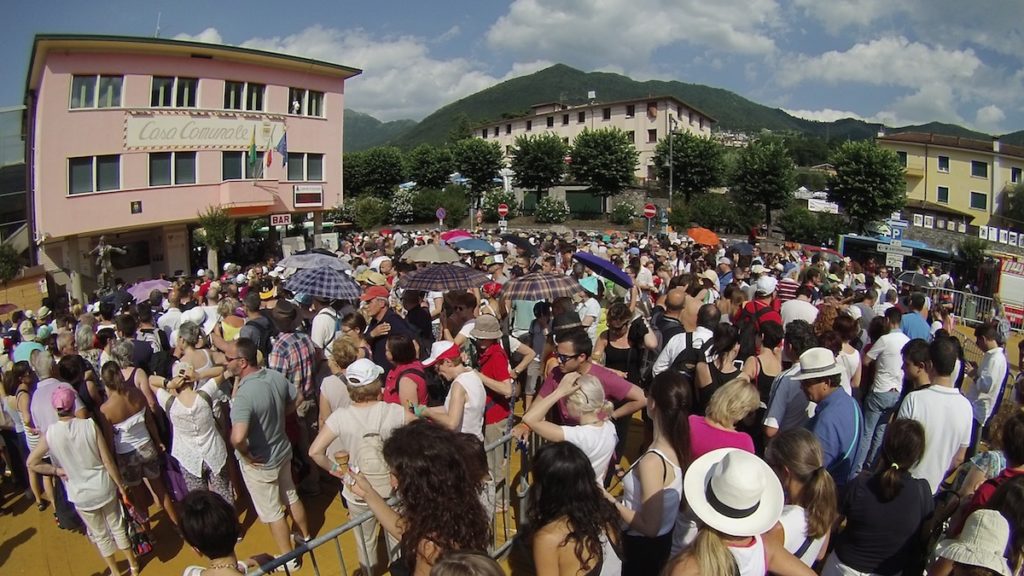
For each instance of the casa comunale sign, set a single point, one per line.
(194, 132)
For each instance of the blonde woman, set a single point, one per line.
(585, 399)
(717, 429)
(230, 322)
(333, 391)
(811, 504)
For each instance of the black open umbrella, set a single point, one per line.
(520, 242)
(915, 279)
(742, 248)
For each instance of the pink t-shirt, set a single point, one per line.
(616, 388)
(704, 438)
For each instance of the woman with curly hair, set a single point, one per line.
(441, 511)
(571, 527)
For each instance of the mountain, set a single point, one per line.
(363, 131)
(561, 83)
(942, 128)
(1015, 138)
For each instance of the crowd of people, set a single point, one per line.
(794, 412)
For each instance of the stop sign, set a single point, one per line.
(503, 210)
(650, 211)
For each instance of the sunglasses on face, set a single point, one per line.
(563, 358)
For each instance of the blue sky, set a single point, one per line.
(898, 62)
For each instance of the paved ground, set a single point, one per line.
(32, 545)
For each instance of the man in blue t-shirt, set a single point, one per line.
(914, 323)
(837, 419)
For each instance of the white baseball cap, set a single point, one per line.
(362, 372)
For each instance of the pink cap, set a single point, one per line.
(63, 400)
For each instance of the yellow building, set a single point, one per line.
(958, 175)
(644, 120)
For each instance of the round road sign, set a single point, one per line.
(503, 210)
(650, 211)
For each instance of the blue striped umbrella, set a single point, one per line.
(324, 282)
(474, 245)
(442, 277)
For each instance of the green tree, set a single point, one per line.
(807, 150)
(538, 161)
(479, 161)
(1013, 205)
(605, 159)
(369, 211)
(496, 197)
(801, 225)
(462, 128)
(713, 211)
(353, 173)
(383, 170)
(430, 166)
(698, 163)
(971, 252)
(10, 264)
(764, 175)
(869, 182)
(217, 227)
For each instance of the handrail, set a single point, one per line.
(354, 524)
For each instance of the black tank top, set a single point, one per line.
(718, 379)
(625, 360)
(764, 382)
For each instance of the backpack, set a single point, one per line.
(264, 327)
(437, 389)
(371, 464)
(748, 324)
(664, 328)
(160, 363)
(1002, 326)
(337, 325)
(687, 360)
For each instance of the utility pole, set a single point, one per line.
(671, 160)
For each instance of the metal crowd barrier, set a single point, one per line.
(503, 526)
(972, 310)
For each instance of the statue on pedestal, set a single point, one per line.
(105, 277)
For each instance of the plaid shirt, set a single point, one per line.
(294, 355)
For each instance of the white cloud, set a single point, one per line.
(210, 36)
(934, 83)
(448, 34)
(626, 33)
(935, 101)
(400, 77)
(989, 118)
(823, 115)
(839, 14)
(887, 61)
(993, 24)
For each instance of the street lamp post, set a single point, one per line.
(671, 161)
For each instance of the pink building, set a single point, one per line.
(132, 137)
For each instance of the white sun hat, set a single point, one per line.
(734, 492)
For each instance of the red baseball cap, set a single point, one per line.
(375, 292)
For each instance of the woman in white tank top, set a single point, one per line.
(463, 409)
(652, 490)
(811, 505)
